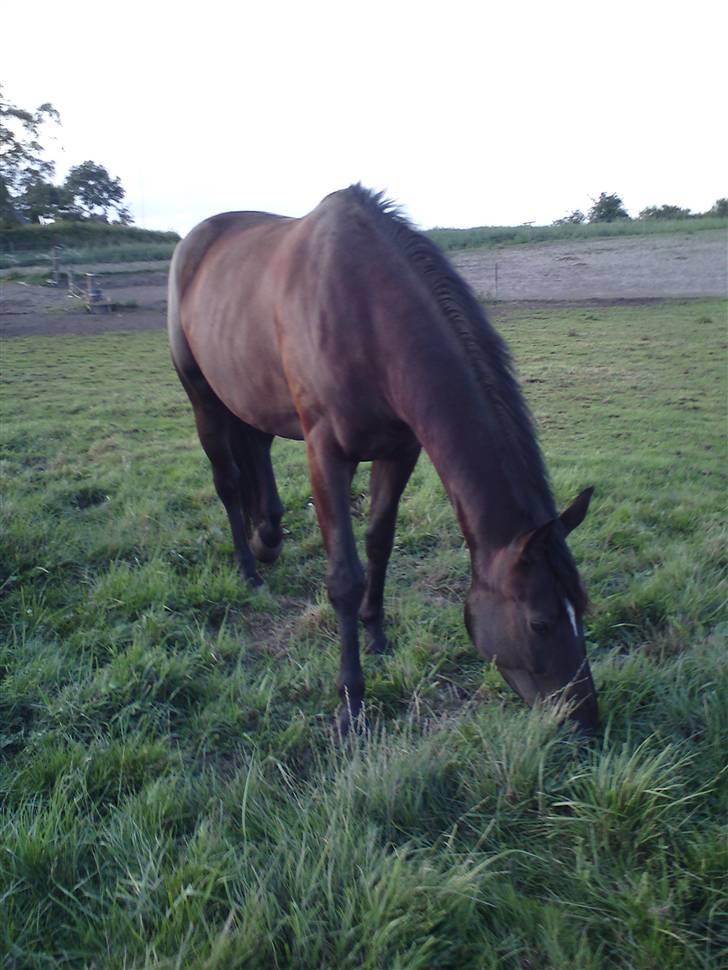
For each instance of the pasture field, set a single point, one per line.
(171, 792)
(481, 236)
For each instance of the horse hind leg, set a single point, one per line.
(261, 502)
(213, 427)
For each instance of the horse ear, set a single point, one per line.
(531, 545)
(574, 514)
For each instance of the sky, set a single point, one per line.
(467, 113)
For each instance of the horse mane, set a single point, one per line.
(484, 350)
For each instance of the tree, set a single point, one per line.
(96, 192)
(720, 208)
(21, 153)
(43, 200)
(574, 218)
(26, 189)
(607, 208)
(7, 210)
(664, 212)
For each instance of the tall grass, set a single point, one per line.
(171, 791)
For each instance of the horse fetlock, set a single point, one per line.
(377, 641)
(350, 685)
(350, 711)
(375, 637)
(249, 574)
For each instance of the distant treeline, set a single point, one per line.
(450, 239)
(74, 235)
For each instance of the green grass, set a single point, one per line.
(477, 237)
(37, 238)
(80, 255)
(171, 792)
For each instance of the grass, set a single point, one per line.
(41, 239)
(171, 793)
(82, 255)
(477, 237)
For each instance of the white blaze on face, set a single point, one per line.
(572, 617)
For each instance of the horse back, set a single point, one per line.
(294, 322)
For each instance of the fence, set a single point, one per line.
(90, 294)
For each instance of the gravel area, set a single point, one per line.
(624, 268)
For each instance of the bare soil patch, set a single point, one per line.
(623, 268)
(609, 270)
(139, 302)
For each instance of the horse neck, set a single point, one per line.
(472, 456)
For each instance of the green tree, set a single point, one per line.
(96, 192)
(43, 200)
(720, 208)
(21, 153)
(574, 218)
(664, 212)
(607, 208)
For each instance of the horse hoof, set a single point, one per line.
(254, 582)
(379, 646)
(376, 640)
(262, 551)
(349, 725)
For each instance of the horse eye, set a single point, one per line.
(541, 627)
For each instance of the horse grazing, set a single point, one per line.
(349, 329)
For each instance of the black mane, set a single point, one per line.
(484, 350)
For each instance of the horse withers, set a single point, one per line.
(350, 330)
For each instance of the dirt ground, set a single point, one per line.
(138, 300)
(622, 268)
(611, 270)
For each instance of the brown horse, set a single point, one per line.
(349, 329)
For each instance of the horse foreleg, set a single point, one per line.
(331, 475)
(388, 480)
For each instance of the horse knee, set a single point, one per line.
(346, 589)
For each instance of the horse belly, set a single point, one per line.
(243, 368)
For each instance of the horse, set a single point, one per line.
(350, 330)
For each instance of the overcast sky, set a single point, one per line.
(467, 113)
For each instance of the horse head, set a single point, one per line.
(525, 612)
